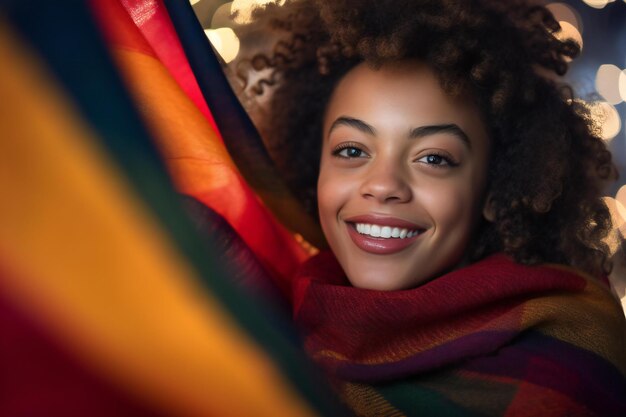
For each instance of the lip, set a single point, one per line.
(381, 246)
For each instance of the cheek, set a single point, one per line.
(331, 193)
(452, 206)
(324, 202)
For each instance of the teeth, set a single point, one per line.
(385, 232)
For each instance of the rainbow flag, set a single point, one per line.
(111, 301)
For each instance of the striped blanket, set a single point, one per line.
(111, 303)
(492, 339)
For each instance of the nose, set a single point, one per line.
(386, 182)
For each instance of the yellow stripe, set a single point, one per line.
(590, 319)
(364, 400)
(93, 266)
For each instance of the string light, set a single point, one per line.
(222, 16)
(565, 13)
(569, 31)
(598, 4)
(622, 83)
(225, 41)
(606, 116)
(243, 9)
(620, 198)
(607, 83)
(616, 210)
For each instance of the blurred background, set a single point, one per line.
(597, 76)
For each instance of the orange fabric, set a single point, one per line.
(88, 261)
(195, 156)
(144, 26)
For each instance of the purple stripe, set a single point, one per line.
(547, 362)
(454, 351)
(535, 358)
(579, 374)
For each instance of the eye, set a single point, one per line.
(437, 160)
(349, 151)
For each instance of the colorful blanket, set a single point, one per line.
(494, 338)
(111, 302)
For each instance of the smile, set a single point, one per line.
(385, 232)
(382, 235)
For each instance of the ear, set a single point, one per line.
(489, 212)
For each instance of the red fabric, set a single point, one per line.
(493, 338)
(144, 26)
(196, 159)
(367, 326)
(39, 378)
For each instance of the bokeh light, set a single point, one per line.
(225, 41)
(222, 16)
(565, 13)
(606, 116)
(613, 239)
(607, 83)
(244, 8)
(598, 4)
(569, 31)
(620, 197)
(622, 83)
(193, 1)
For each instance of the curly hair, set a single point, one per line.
(548, 165)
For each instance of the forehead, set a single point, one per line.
(396, 77)
(403, 92)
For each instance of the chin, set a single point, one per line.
(380, 282)
(382, 276)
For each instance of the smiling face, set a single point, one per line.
(402, 176)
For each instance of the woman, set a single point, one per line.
(458, 185)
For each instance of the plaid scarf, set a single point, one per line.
(493, 338)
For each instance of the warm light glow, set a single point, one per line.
(569, 31)
(312, 250)
(618, 212)
(613, 238)
(622, 83)
(620, 198)
(221, 18)
(597, 4)
(244, 8)
(193, 1)
(607, 83)
(606, 116)
(225, 41)
(565, 13)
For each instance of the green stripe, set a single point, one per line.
(416, 400)
(63, 34)
(240, 135)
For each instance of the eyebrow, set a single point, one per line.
(418, 132)
(352, 122)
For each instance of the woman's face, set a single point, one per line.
(402, 176)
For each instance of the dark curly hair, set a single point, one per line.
(548, 165)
